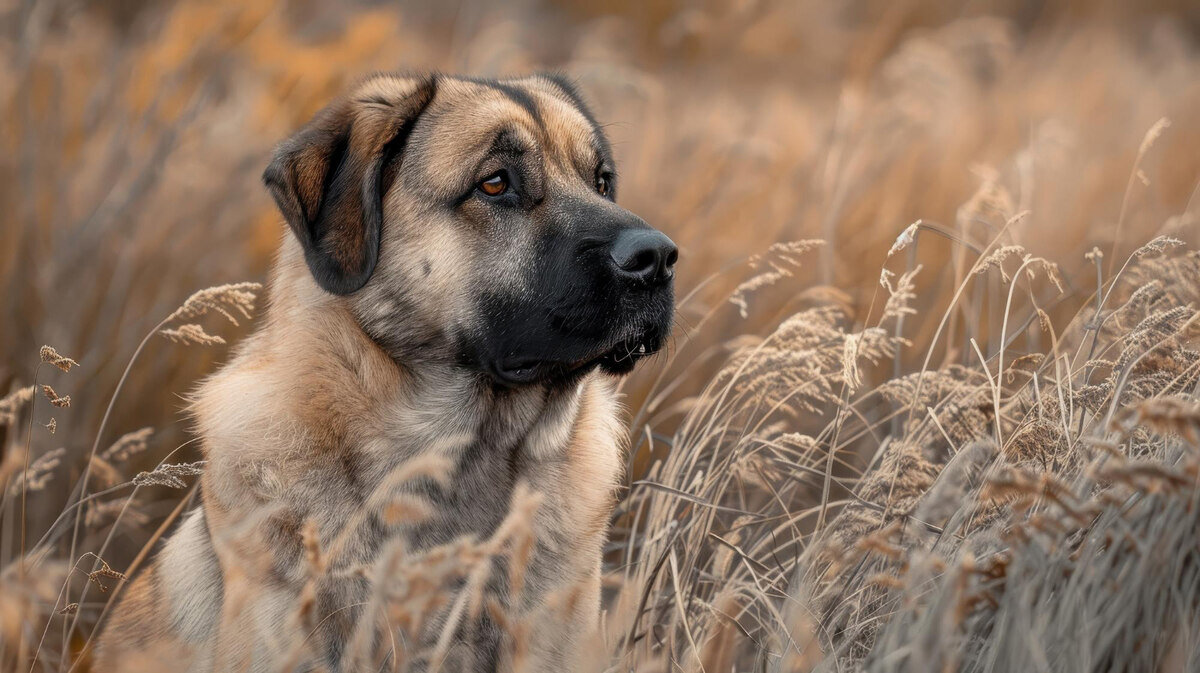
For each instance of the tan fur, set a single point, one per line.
(312, 415)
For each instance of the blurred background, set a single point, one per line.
(134, 134)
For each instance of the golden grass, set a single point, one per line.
(963, 433)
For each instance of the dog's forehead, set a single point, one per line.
(467, 115)
(563, 117)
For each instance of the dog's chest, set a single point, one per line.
(466, 487)
(470, 499)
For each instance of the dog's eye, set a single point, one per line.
(495, 184)
(603, 185)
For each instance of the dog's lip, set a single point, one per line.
(517, 372)
(630, 350)
(622, 355)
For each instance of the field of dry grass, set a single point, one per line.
(933, 402)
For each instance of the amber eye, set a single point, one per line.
(495, 184)
(603, 185)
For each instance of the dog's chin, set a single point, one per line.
(615, 360)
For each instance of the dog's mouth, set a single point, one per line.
(616, 360)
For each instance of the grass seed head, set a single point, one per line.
(61, 402)
(50, 356)
(224, 300)
(11, 404)
(191, 334)
(128, 445)
(170, 474)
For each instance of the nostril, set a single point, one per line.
(672, 257)
(644, 261)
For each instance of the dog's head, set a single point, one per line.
(477, 220)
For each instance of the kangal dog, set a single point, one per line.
(458, 285)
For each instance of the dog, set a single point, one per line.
(458, 285)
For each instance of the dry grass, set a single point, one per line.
(961, 434)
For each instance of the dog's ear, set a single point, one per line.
(329, 178)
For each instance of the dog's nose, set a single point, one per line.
(644, 255)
